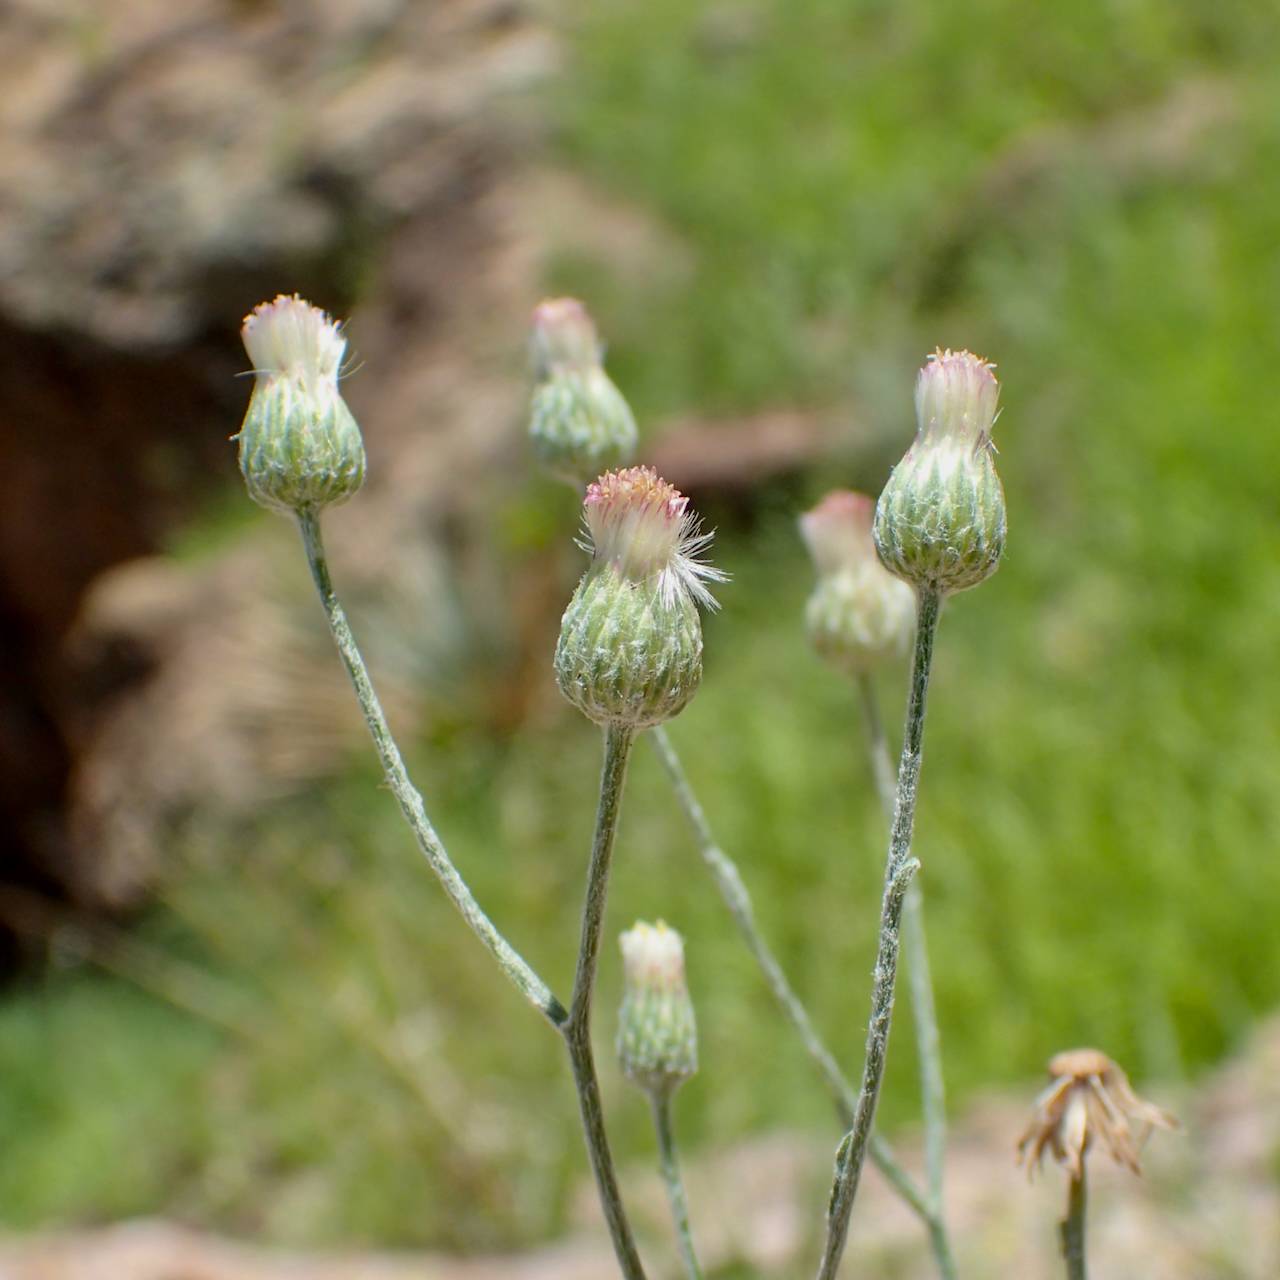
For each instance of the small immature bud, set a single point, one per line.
(657, 1033)
(300, 448)
(859, 614)
(940, 522)
(579, 422)
(630, 647)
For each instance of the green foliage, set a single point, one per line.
(853, 183)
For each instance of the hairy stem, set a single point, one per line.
(618, 741)
(407, 795)
(920, 982)
(574, 1024)
(1072, 1228)
(668, 1157)
(899, 868)
(734, 892)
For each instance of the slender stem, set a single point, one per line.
(734, 892)
(660, 1100)
(618, 741)
(899, 868)
(407, 796)
(575, 1023)
(920, 982)
(1072, 1228)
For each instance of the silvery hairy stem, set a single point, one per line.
(923, 1011)
(407, 795)
(899, 869)
(618, 740)
(573, 1023)
(668, 1158)
(736, 897)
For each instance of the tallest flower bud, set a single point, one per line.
(940, 521)
(630, 648)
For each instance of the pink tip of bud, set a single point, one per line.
(838, 531)
(652, 957)
(643, 526)
(634, 489)
(564, 337)
(289, 337)
(956, 395)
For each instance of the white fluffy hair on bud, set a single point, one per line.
(956, 396)
(652, 955)
(288, 337)
(642, 525)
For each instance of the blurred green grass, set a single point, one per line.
(851, 184)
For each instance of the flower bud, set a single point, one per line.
(940, 522)
(859, 614)
(300, 448)
(579, 422)
(657, 1032)
(630, 647)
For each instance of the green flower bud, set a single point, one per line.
(657, 1032)
(859, 614)
(630, 647)
(579, 423)
(300, 448)
(940, 522)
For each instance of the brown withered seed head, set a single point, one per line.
(1090, 1097)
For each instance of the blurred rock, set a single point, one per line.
(163, 168)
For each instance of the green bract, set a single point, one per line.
(630, 652)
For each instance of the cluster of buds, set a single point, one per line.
(657, 1033)
(940, 521)
(859, 614)
(300, 448)
(579, 422)
(630, 647)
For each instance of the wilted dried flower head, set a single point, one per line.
(1090, 1097)
(643, 527)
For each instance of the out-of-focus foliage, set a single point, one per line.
(1090, 195)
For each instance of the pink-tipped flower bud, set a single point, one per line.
(300, 448)
(940, 522)
(630, 647)
(657, 1031)
(564, 337)
(579, 422)
(859, 614)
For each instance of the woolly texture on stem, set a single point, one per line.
(923, 1012)
(736, 898)
(407, 795)
(899, 868)
(668, 1159)
(618, 741)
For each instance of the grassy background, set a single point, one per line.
(848, 185)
